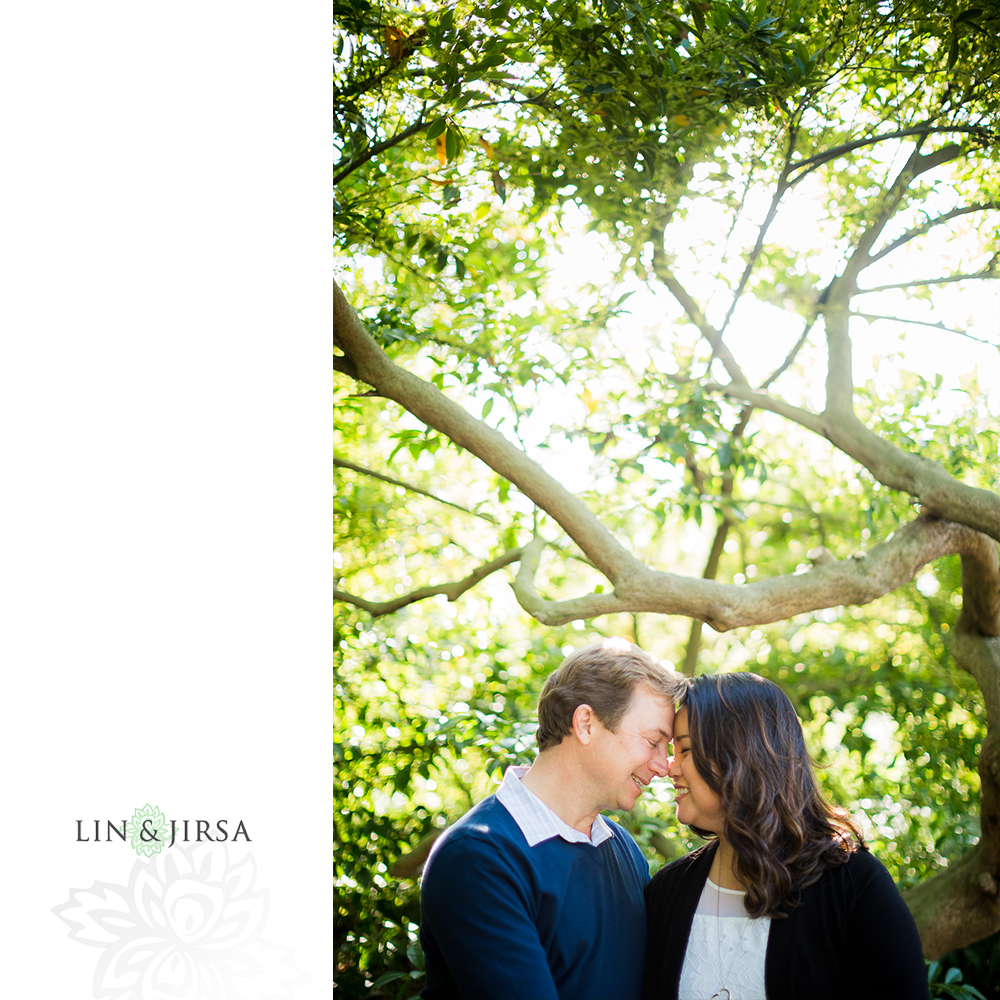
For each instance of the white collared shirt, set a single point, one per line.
(537, 821)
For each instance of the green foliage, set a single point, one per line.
(888, 718)
(428, 711)
(946, 981)
(470, 141)
(978, 965)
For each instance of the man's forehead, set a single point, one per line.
(654, 710)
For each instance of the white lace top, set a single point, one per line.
(726, 949)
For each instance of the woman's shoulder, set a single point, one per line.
(859, 861)
(862, 864)
(683, 867)
(860, 872)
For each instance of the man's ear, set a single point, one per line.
(583, 723)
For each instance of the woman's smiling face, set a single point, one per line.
(697, 804)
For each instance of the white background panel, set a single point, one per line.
(164, 490)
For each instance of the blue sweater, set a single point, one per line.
(557, 921)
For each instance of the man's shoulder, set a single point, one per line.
(487, 818)
(617, 829)
(487, 825)
(621, 839)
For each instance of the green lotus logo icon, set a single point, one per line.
(150, 830)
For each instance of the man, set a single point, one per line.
(533, 895)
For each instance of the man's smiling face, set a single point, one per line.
(625, 761)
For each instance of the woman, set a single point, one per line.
(785, 901)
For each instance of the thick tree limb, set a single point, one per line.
(434, 408)
(453, 591)
(939, 493)
(961, 904)
(345, 367)
(923, 479)
(723, 606)
(976, 642)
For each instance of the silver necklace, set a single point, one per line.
(723, 993)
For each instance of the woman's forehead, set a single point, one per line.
(680, 723)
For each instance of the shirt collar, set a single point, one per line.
(537, 821)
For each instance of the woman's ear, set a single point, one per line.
(583, 723)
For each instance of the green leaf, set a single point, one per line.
(953, 51)
(487, 407)
(451, 143)
(435, 128)
(415, 954)
(388, 977)
(969, 15)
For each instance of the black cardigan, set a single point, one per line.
(851, 938)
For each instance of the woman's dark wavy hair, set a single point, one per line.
(747, 743)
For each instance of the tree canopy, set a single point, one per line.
(621, 281)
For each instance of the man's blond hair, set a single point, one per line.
(604, 676)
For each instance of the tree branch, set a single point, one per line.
(990, 272)
(923, 479)
(920, 322)
(762, 401)
(426, 402)
(930, 224)
(917, 164)
(663, 272)
(792, 354)
(363, 85)
(345, 367)
(379, 147)
(961, 904)
(450, 590)
(558, 612)
(927, 481)
(342, 464)
(923, 131)
(711, 570)
(779, 191)
(857, 580)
